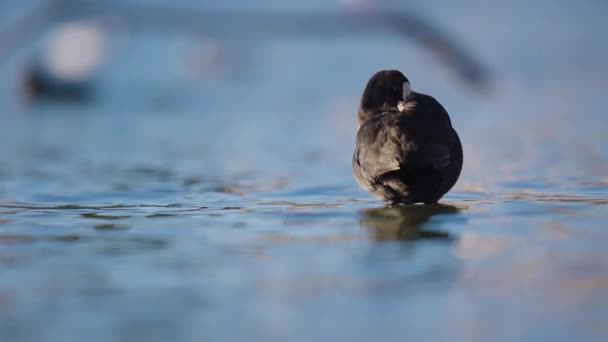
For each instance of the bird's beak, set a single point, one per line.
(401, 105)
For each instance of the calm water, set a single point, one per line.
(186, 206)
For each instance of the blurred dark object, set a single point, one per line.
(64, 68)
(252, 25)
(405, 223)
(39, 84)
(445, 49)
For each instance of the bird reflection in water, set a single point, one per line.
(406, 223)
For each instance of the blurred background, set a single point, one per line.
(180, 170)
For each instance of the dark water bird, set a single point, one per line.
(407, 151)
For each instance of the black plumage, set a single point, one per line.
(407, 151)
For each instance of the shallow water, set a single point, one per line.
(192, 207)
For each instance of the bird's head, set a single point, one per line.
(386, 90)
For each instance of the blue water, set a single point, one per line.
(187, 205)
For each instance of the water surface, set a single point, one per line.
(184, 206)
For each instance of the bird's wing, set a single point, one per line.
(438, 156)
(436, 144)
(382, 145)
